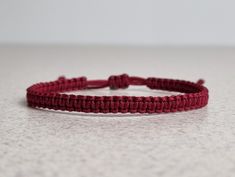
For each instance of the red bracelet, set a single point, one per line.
(46, 95)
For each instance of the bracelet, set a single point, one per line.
(47, 95)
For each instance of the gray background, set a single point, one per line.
(118, 22)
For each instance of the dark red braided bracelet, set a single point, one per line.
(47, 95)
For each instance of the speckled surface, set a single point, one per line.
(39, 143)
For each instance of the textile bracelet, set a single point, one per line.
(50, 95)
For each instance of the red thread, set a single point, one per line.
(47, 95)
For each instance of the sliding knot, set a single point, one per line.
(151, 83)
(120, 81)
(82, 82)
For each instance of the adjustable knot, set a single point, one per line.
(120, 81)
(151, 82)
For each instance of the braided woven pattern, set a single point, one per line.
(48, 95)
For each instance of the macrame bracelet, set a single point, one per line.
(48, 95)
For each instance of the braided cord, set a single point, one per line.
(48, 95)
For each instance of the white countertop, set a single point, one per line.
(42, 143)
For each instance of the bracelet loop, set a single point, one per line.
(47, 95)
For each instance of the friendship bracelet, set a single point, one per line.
(49, 95)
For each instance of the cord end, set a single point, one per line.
(200, 81)
(61, 78)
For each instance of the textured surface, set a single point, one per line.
(48, 143)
